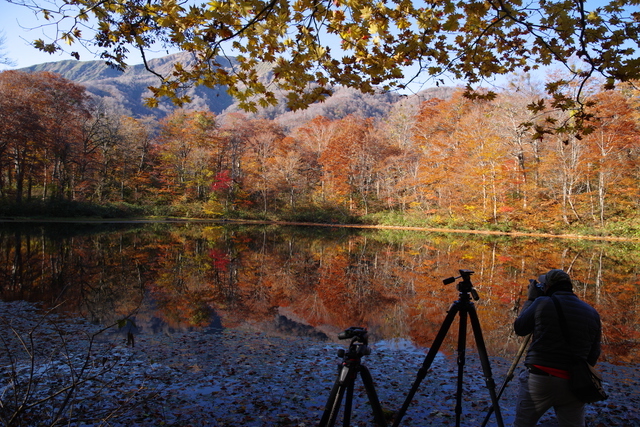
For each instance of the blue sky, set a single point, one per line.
(20, 26)
(14, 24)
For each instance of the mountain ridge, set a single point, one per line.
(124, 91)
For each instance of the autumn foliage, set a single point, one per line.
(41, 136)
(445, 163)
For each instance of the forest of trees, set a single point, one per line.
(454, 162)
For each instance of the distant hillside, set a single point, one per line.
(125, 92)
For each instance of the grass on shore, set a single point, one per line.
(64, 209)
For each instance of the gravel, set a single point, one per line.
(245, 377)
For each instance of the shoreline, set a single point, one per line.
(309, 224)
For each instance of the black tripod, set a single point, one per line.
(348, 370)
(463, 306)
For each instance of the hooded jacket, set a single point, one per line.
(548, 346)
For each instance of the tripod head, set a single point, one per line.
(359, 345)
(465, 287)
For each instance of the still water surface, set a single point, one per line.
(310, 281)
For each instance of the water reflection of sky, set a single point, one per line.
(311, 282)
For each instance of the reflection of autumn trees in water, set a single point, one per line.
(98, 274)
(328, 278)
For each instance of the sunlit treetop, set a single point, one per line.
(314, 44)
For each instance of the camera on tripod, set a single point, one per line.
(464, 286)
(465, 308)
(359, 342)
(353, 332)
(350, 366)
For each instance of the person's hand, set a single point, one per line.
(534, 290)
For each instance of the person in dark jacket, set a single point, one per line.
(544, 384)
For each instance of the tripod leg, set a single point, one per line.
(431, 355)
(332, 408)
(484, 361)
(509, 376)
(378, 414)
(462, 353)
(348, 403)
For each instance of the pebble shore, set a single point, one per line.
(245, 377)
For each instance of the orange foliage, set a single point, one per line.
(41, 121)
(456, 162)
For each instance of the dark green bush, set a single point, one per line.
(67, 209)
(321, 215)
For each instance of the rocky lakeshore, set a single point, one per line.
(245, 377)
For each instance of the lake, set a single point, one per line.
(310, 281)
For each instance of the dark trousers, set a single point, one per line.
(539, 393)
